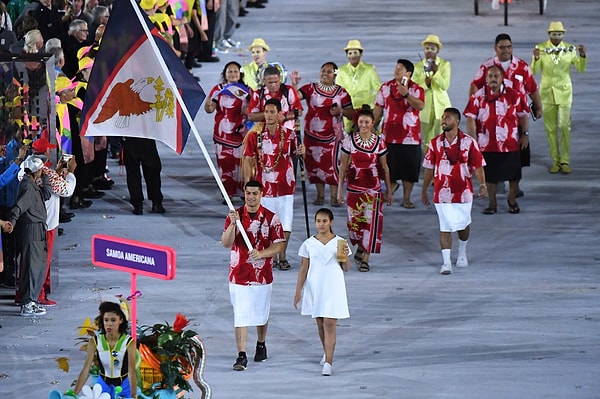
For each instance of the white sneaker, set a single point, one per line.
(233, 43)
(225, 44)
(327, 369)
(462, 261)
(446, 269)
(322, 362)
(31, 309)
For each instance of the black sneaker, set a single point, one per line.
(240, 363)
(261, 353)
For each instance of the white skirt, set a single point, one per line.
(251, 304)
(283, 207)
(454, 217)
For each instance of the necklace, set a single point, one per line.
(269, 169)
(326, 88)
(366, 144)
(455, 160)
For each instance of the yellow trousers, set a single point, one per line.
(557, 122)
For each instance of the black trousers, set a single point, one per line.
(142, 152)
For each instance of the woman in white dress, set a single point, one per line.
(321, 285)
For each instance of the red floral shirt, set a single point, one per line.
(453, 164)
(517, 76)
(263, 229)
(286, 94)
(401, 123)
(274, 168)
(497, 118)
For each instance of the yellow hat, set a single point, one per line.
(556, 26)
(85, 63)
(353, 44)
(161, 3)
(433, 39)
(147, 4)
(63, 83)
(258, 42)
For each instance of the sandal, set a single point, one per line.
(408, 205)
(364, 267)
(489, 211)
(284, 265)
(319, 201)
(335, 203)
(513, 208)
(358, 256)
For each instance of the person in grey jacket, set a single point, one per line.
(28, 219)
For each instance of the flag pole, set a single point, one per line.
(302, 173)
(190, 120)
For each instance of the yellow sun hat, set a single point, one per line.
(353, 44)
(433, 39)
(556, 26)
(258, 42)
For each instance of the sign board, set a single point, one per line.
(133, 256)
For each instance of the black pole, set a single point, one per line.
(302, 173)
(505, 12)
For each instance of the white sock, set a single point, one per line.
(462, 248)
(446, 256)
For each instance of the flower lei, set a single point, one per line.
(279, 155)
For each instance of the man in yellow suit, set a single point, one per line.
(554, 58)
(433, 75)
(358, 78)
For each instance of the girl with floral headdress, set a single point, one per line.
(113, 350)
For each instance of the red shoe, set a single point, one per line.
(46, 302)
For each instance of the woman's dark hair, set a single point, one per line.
(333, 64)
(224, 72)
(365, 110)
(112, 307)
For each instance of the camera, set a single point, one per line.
(404, 81)
(66, 157)
(428, 65)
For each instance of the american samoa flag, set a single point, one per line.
(138, 86)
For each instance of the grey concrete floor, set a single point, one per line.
(521, 321)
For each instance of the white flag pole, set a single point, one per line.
(190, 121)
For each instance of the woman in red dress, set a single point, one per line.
(323, 130)
(229, 99)
(364, 164)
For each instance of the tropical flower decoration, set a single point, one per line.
(169, 348)
(93, 393)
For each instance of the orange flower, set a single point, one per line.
(180, 322)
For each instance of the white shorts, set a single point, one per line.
(283, 207)
(454, 217)
(251, 304)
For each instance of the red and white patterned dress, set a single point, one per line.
(497, 118)
(401, 123)
(274, 167)
(364, 196)
(453, 165)
(286, 95)
(263, 230)
(228, 136)
(323, 132)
